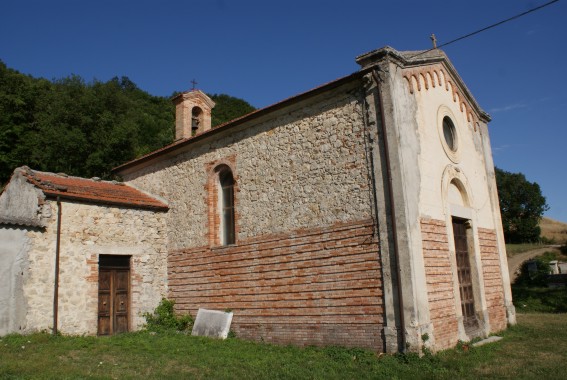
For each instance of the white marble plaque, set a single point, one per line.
(212, 323)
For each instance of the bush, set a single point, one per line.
(164, 319)
(546, 240)
(564, 249)
(537, 277)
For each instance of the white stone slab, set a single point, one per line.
(490, 339)
(212, 323)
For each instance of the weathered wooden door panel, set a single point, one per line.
(103, 280)
(122, 281)
(464, 272)
(113, 295)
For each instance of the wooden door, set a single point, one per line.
(113, 295)
(464, 272)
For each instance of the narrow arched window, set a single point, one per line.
(226, 205)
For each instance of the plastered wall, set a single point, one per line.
(14, 246)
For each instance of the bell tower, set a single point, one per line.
(192, 113)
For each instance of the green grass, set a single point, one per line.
(539, 299)
(554, 255)
(531, 293)
(514, 249)
(535, 348)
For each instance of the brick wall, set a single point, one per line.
(492, 279)
(439, 280)
(311, 286)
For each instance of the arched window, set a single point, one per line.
(225, 193)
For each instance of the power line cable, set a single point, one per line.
(488, 27)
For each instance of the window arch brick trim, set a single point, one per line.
(214, 222)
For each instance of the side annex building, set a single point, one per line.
(361, 213)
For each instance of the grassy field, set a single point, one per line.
(539, 299)
(535, 348)
(531, 293)
(553, 230)
(514, 249)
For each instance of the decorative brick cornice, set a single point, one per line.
(432, 76)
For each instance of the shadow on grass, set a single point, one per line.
(539, 299)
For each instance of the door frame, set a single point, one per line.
(114, 264)
(465, 267)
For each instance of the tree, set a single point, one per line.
(86, 129)
(522, 205)
(228, 108)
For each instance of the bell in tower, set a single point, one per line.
(192, 113)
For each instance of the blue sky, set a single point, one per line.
(265, 51)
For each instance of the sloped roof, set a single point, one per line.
(91, 190)
(176, 146)
(367, 61)
(412, 58)
(416, 56)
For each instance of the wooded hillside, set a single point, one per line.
(85, 129)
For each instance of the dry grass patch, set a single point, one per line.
(515, 249)
(553, 230)
(536, 348)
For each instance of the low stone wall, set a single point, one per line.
(492, 279)
(439, 279)
(310, 286)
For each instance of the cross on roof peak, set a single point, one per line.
(434, 40)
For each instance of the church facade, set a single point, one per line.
(361, 213)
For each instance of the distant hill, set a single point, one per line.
(553, 230)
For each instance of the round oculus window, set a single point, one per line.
(449, 134)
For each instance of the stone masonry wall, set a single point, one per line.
(492, 279)
(87, 232)
(309, 286)
(439, 279)
(305, 167)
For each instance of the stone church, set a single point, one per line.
(361, 213)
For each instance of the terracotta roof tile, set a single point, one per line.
(91, 190)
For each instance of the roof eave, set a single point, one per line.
(53, 195)
(237, 122)
(19, 223)
(418, 58)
